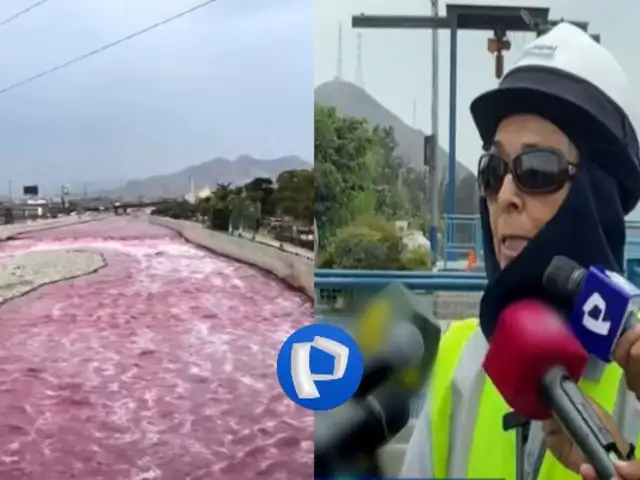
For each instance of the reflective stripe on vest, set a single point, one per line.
(465, 414)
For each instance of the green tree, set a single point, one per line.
(367, 243)
(346, 157)
(204, 205)
(260, 190)
(222, 194)
(177, 209)
(418, 258)
(294, 195)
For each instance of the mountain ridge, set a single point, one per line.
(351, 100)
(207, 174)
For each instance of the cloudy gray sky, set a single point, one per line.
(396, 65)
(234, 77)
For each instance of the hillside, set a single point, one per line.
(207, 174)
(349, 99)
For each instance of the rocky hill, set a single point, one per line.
(207, 174)
(349, 99)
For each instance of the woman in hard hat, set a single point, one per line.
(560, 172)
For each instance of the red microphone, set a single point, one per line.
(534, 361)
(530, 339)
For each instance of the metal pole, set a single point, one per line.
(453, 80)
(434, 175)
(10, 192)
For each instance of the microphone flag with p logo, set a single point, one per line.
(601, 309)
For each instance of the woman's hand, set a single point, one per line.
(567, 452)
(624, 471)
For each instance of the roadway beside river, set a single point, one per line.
(155, 361)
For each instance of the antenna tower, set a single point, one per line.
(415, 113)
(339, 54)
(359, 76)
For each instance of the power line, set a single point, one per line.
(104, 47)
(22, 12)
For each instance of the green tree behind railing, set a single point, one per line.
(359, 180)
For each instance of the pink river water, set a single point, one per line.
(159, 366)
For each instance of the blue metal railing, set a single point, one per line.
(397, 275)
(463, 233)
(633, 228)
(372, 284)
(372, 281)
(632, 247)
(633, 271)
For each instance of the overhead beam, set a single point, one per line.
(400, 22)
(425, 22)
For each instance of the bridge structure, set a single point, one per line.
(118, 207)
(123, 208)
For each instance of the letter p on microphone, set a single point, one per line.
(593, 315)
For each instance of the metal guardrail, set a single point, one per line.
(633, 271)
(442, 284)
(396, 275)
(633, 226)
(344, 295)
(632, 247)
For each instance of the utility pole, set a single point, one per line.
(10, 192)
(434, 175)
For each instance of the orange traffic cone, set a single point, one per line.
(471, 260)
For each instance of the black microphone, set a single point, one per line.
(403, 349)
(359, 427)
(381, 411)
(389, 345)
(399, 341)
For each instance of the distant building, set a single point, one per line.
(193, 196)
(411, 238)
(415, 239)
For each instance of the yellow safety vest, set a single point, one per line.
(492, 451)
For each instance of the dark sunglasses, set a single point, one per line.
(535, 171)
